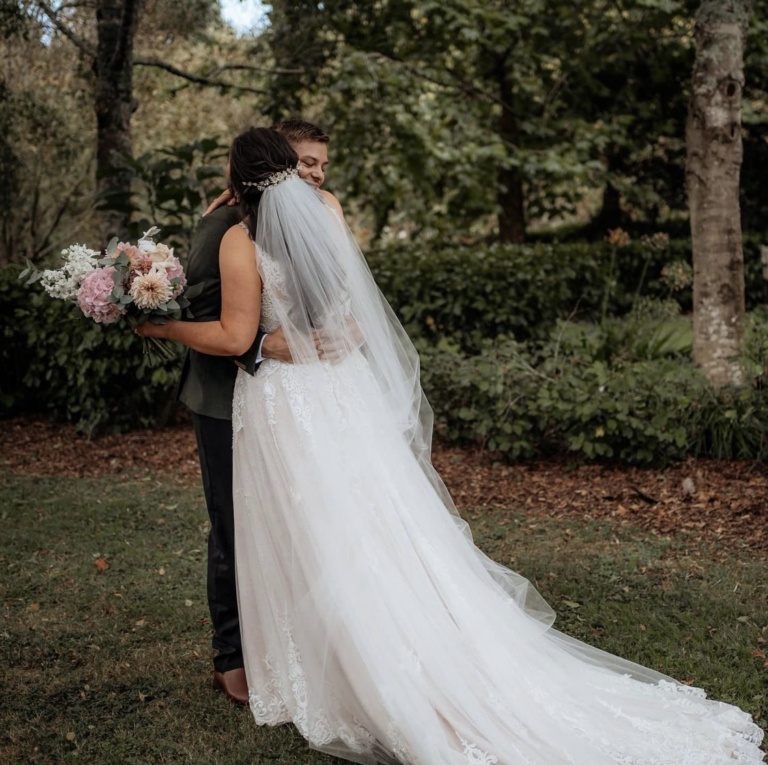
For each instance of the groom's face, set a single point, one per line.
(313, 161)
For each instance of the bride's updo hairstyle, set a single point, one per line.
(256, 156)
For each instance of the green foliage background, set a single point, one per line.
(60, 364)
(435, 109)
(505, 363)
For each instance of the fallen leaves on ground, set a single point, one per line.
(711, 501)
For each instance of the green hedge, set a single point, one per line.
(58, 363)
(469, 293)
(525, 404)
(500, 365)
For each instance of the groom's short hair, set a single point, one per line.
(297, 131)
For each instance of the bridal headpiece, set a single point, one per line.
(274, 179)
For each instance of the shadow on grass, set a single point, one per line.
(105, 630)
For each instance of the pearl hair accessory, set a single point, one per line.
(274, 179)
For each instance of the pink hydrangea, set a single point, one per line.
(176, 275)
(92, 297)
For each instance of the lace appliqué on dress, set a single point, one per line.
(475, 755)
(273, 280)
(238, 404)
(270, 708)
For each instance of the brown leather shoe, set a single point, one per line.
(233, 683)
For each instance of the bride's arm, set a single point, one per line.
(235, 331)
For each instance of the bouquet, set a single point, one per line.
(137, 283)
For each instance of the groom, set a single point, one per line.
(206, 387)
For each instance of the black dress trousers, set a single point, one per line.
(214, 443)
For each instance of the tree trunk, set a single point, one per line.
(10, 171)
(510, 195)
(764, 264)
(610, 215)
(511, 201)
(299, 53)
(116, 21)
(714, 149)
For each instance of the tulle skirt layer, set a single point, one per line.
(371, 621)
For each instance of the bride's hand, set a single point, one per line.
(153, 330)
(275, 347)
(335, 349)
(225, 198)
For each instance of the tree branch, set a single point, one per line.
(78, 42)
(90, 51)
(198, 79)
(63, 207)
(252, 68)
(460, 85)
(553, 91)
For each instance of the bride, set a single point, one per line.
(368, 617)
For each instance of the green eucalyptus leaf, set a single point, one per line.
(194, 290)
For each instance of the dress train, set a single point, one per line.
(371, 621)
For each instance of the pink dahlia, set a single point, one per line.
(140, 264)
(92, 297)
(129, 249)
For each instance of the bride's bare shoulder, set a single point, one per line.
(236, 241)
(236, 235)
(332, 201)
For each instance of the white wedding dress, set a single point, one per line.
(371, 621)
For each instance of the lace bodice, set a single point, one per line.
(273, 283)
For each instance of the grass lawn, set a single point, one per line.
(105, 632)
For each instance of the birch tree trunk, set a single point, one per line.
(714, 149)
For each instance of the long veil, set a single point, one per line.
(327, 291)
(370, 621)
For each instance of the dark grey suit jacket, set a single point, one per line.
(207, 382)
